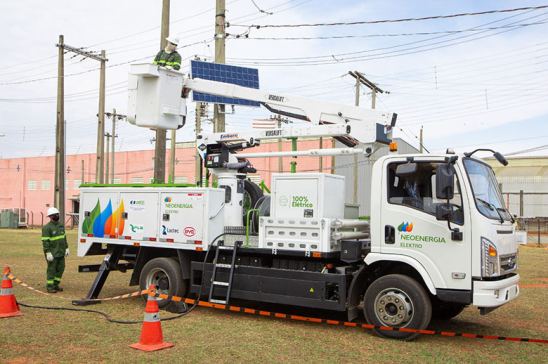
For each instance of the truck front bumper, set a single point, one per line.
(495, 293)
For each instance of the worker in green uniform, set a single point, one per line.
(169, 57)
(56, 249)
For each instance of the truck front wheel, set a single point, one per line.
(397, 300)
(165, 275)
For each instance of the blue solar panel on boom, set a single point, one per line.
(242, 76)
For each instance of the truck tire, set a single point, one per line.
(397, 300)
(165, 274)
(446, 310)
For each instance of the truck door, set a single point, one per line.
(408, 218)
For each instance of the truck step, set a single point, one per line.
(222, 302)
(225, 247)
(222, 265)
(219, 283)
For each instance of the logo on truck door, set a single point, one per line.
(409, 240)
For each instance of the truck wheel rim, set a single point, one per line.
(159, 278)
(393, 307)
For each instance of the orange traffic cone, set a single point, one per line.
(151, 333)
(8, 304)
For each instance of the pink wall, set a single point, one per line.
(15, 174)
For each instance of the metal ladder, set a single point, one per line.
(216, 265)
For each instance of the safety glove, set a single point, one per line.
(49, 257)
(67, 252)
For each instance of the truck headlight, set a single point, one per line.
(489, 259)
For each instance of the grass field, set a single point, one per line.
(215, 336)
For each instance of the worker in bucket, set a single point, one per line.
(56, 249)
(169, 57)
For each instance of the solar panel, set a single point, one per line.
(242, 76)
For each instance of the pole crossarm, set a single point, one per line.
(82, 52)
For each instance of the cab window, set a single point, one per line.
(417, 190)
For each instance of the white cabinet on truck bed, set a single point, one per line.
(183, 217)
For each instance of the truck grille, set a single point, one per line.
(508, 263)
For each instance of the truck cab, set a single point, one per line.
(457, 236)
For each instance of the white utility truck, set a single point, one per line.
(438, 238)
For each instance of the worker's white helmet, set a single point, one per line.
(52, 211)
(173, 40)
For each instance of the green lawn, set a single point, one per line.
(214, 336)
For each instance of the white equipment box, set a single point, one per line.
(175, 215)
(296, 234)
(155, 97)
(307, 195)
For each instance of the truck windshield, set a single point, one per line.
(486, 190)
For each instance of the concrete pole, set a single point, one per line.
(198, 171)
(421, 141)
(107, 160)
(280, 147)
(59, 190)
(355, 167)
(112, 152)
(160, 145)
(218, 110)
(99, 167)
(82, 177)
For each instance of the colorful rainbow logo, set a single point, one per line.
(104, 223)
(167, 199)
(405, 227)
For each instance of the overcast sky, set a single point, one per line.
(477, 81)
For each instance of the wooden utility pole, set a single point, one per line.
(172, 155)
(220, 35)
(160, 145)
(99, 166)
(59, 190)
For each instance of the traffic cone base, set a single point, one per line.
(152, 338)
(8, 304)
(152, 347)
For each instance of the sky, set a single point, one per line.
(471, 81)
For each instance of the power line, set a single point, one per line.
(258, 26)
(246, 35)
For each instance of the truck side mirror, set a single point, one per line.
(406, 169)
(445, 181)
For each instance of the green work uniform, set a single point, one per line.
(54, 241)
(165, 59)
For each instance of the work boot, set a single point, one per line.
(51, 289)
(58, 288)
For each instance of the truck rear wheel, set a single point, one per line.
(165, 274)
(398, 301)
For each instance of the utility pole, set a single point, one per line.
(172, 155)
(198, 132)
(220, 35)
(59, 196)
(280, 141)
(99, 164)
(113, 145)
(361, 80)
(82, 177)
(107, 168)
(59, 190)
(114, 116)
(160, 145)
